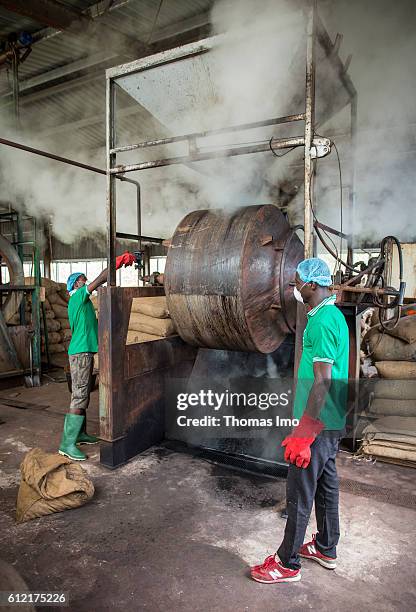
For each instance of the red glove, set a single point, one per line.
(298, 444)
(127, 259)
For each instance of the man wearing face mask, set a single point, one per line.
(83, 346)
(311, 448)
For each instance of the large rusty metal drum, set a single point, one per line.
(227, 278)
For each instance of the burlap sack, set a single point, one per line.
(54, 337)
(388, 348)
(47, 304)
(64, 322)
(395, 407)
(49, 284)
(405, 329)
(57, 347)
(400, 370)
(55, 298)
(134, 337)
(50, 483)
(94, 300)
(151, 306)
(149, 325)
(52, 325)
(64, 295)
(65, 334)
(394, 389)
(49, 314)
(61, 312)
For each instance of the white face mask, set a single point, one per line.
(298, 295)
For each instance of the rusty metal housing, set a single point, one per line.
(227, 278)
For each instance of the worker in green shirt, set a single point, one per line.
(83, 346)
(311, 448)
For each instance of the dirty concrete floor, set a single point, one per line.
(169, 531)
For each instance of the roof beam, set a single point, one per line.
(46, 12)
(70, 75)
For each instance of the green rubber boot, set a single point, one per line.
(72, 427)
(83, 437)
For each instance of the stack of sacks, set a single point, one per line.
(149, 319)
(56, 315)
(392, 434)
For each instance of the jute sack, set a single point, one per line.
(390, 452)
(49, 314)
(54, 337)
(57, 347)
(395, 407)
(134, 337)
(66, 334)
(64, 322)
(400, 370)
(394, 389)
(61, 312)
(149, 325)
(405, 329)
(151, 306)
(50, 483)
(384, 347)
(55, 298)
(52, 325)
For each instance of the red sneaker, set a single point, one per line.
(272, 571)
(310, 551)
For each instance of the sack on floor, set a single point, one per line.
(151, 306)
(405, 329)
(50, 483)
(385, 347)
(396, 369)
(149, 325)
(61, 312)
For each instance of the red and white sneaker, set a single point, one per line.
(310, 551)
(271, 571)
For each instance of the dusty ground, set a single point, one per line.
(172, 532)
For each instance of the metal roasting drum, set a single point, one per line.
(227, 278)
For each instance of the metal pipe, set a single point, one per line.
(285, 143)
(309, 126)
(351, 199)
(111, 188)
(225, 130)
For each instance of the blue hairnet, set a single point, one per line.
(314, 270)
(72, 279)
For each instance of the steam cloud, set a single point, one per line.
(256, 72)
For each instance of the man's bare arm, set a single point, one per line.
(322, 381)
(100, 280)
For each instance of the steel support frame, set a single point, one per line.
(315, 33)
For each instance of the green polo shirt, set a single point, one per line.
(325, 339)
(83, 323)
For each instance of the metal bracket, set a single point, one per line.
(320, 147)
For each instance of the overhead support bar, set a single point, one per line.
(284, 143)
(205, 134)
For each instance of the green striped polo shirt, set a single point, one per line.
(325, 339)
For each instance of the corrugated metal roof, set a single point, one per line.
(71, 104)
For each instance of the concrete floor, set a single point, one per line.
(172, 532)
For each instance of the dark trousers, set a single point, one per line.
(319, 482)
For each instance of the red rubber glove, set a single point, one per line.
(127, 259)
(298, 443)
